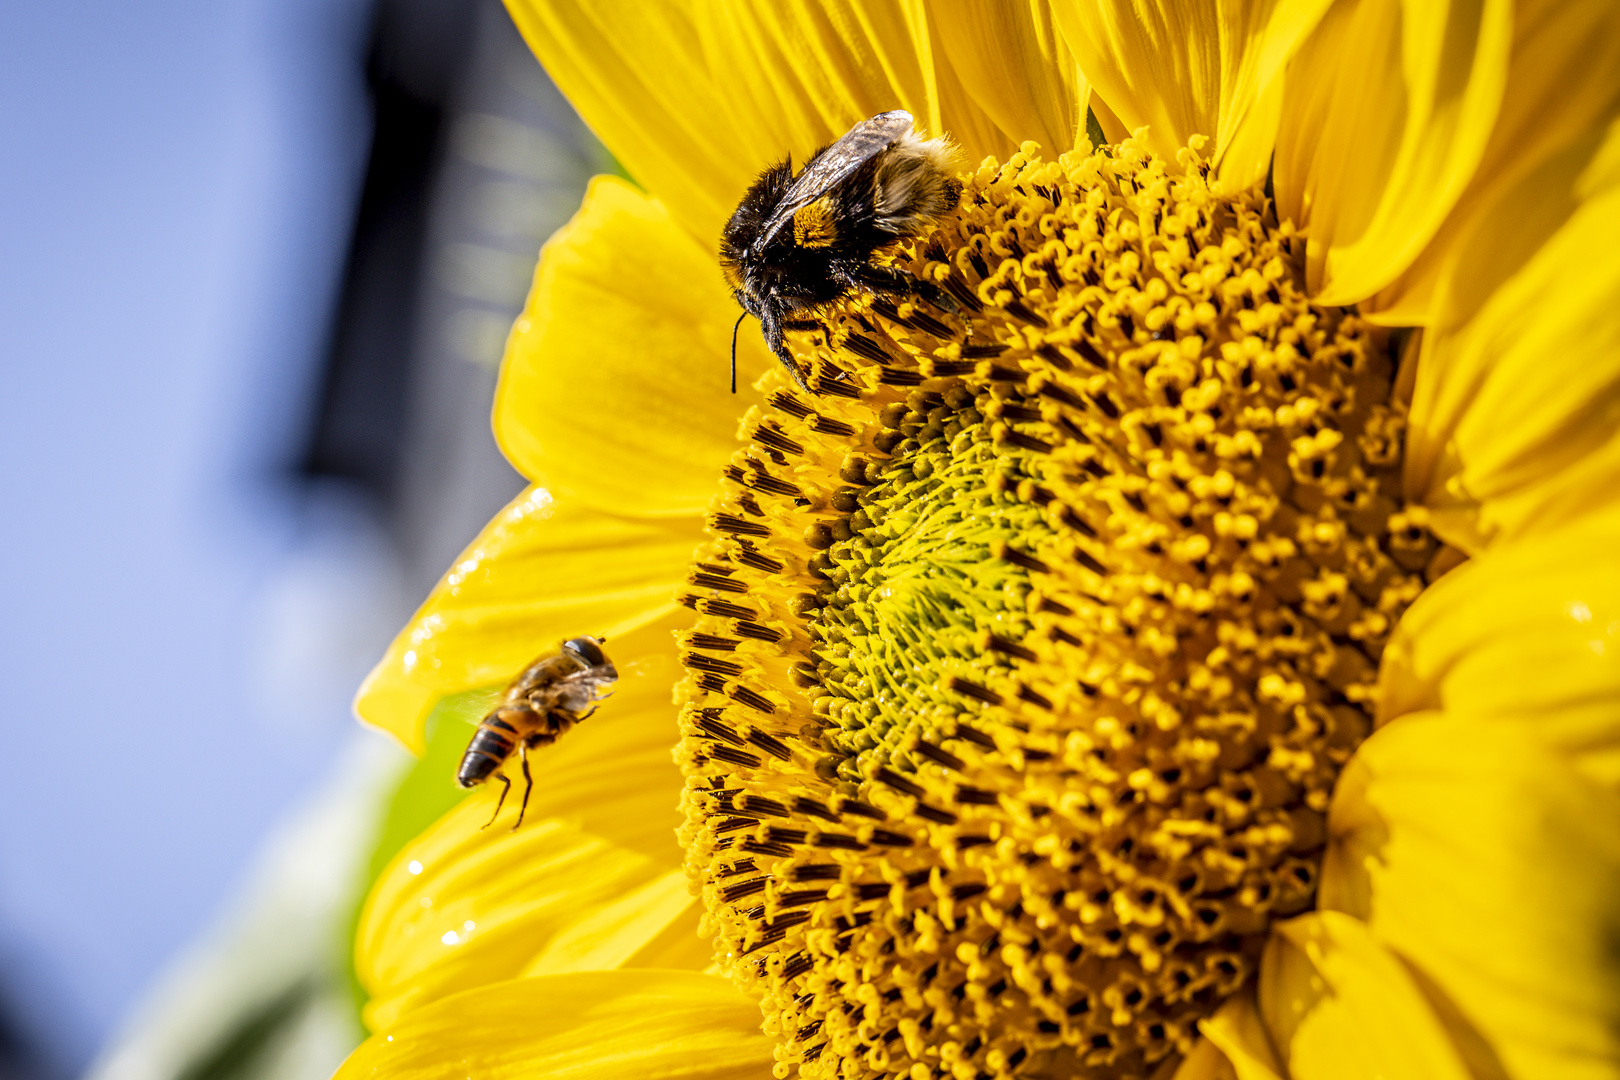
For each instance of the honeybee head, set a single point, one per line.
(588, 650)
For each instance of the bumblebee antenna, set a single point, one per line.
(734, 328)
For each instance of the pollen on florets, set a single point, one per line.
(1028, 652)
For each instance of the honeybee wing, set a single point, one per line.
(860, 144)
(580, 689)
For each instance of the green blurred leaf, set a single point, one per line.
(242, 1049)
(426, 792)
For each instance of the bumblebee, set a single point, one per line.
(797, 243)
(553, 694)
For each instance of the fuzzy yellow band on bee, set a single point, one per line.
(815, 224)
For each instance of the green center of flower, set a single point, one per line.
(1029, 652)
(921, 594)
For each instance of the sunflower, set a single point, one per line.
(1193, 650)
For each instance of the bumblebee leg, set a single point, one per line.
(793, 369)
(807, 326)
(891, 282)
(937, 296)
(885, 280)
(773, 337)
(498, 802)
(528, 783)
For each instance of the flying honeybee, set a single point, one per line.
(553, 694)
(796, 244)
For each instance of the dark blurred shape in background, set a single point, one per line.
(475, 160)
(257, 265)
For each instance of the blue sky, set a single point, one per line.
(177, 184)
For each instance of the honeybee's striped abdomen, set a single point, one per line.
(491, 744)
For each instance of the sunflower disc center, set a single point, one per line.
(1029, 651)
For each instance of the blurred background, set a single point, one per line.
(257, 262)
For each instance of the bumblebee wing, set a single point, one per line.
(860, 144)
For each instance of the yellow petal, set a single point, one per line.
(696, 98)
(1515, 421)
(1238, 1034)
(680, 945)
(1563, 84)
(614, 387)
(463, 905)
(1340, 1006)
(637, 74)
(809, 69)
(1527, 632)
(960, 114)
(1387, 112)
(1014, 63)
(541, 572)
(1190, 69)
(1499, 882)
(1356, 834)
(1246, 159)
(604, 1025)
(618, 930)
(1207, 1063)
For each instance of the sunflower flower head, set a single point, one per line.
(1182, 641)
(1029, 651)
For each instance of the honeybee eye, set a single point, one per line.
(587, 650)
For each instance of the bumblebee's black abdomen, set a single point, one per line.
(484, 755)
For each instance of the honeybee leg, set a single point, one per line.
(528, 783)
(773, 337)
(498, 802)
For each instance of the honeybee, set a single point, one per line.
(798, 243)
(551, 696)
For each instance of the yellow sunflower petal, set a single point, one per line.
(1563, 84)
(1206, 1062)
(616, 931)
(1499, 882)
(1340, 1006)
(614, 387)
(680, 945)
(1014, 63)
(1515, 421)
(1246, 159)
(1371, 174)
(1356, 834)
(637, 74)
(695, 98)
(1529, 631)
(463, 905)
(1191, 69)
(814, 68)
(1238, 1033)
(541, 572)
(600, 1025)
